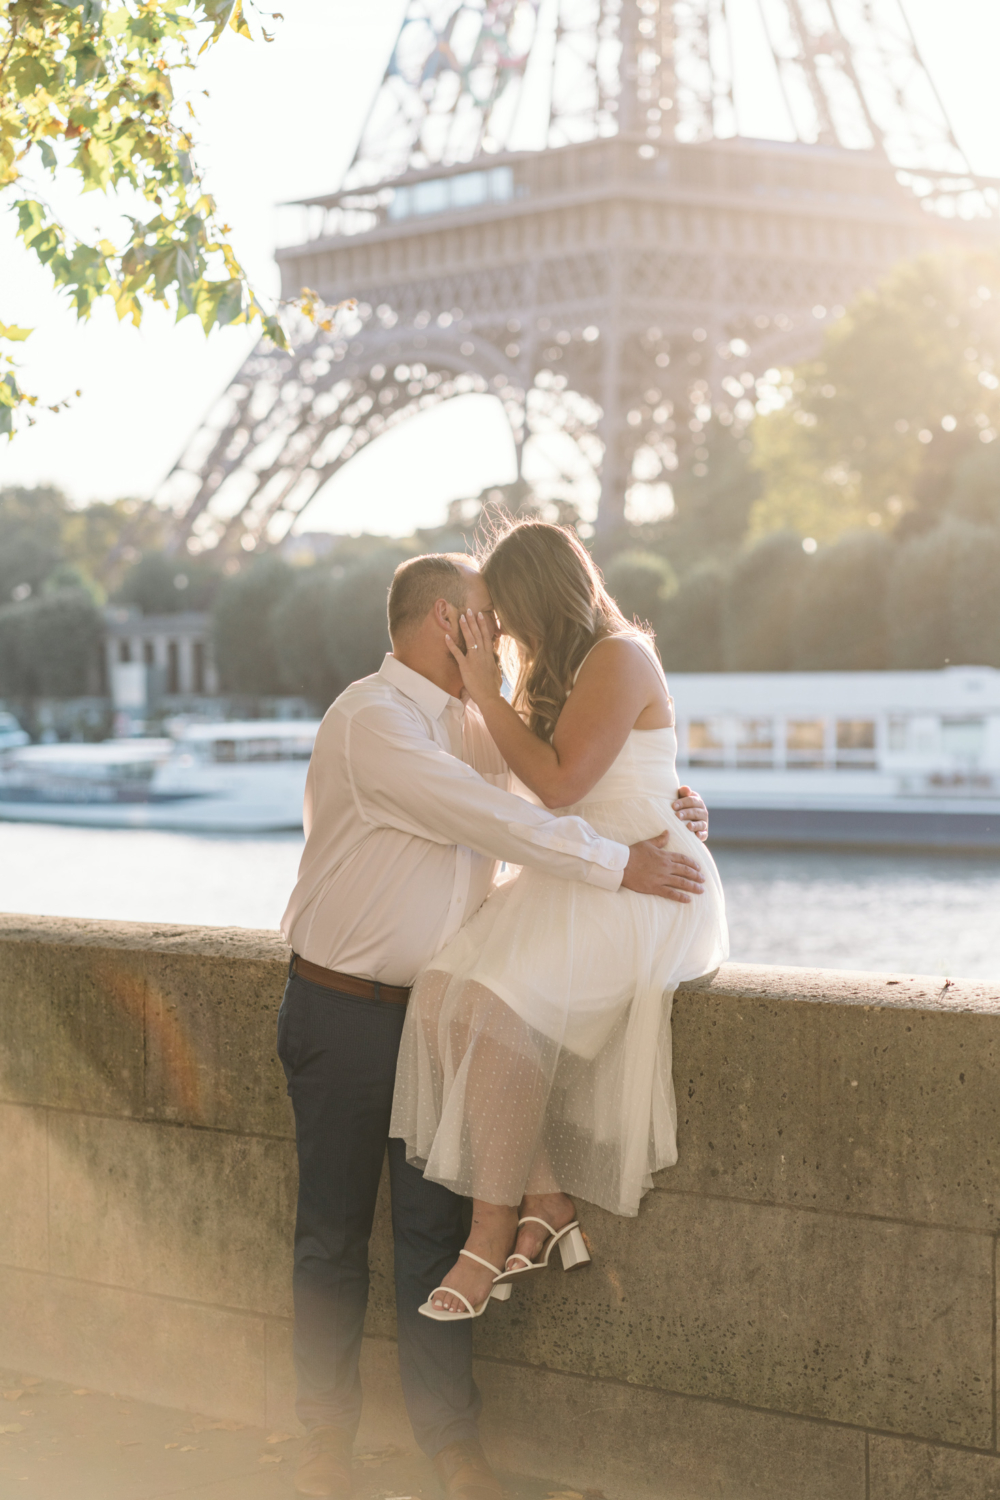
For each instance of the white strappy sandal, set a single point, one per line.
(572, 1251)
(499, 1293)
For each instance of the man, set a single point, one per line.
(407, 813)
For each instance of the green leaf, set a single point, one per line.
(229, 302)
(27, 75)
(49, 158)
(238, 23)
(218, 13)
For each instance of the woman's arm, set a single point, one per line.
(617, 682)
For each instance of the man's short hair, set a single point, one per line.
(419, 581)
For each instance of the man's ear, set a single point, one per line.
(442, 615)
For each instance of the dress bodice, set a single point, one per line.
(646, 766)
(645, 769)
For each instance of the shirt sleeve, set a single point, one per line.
(401, 779)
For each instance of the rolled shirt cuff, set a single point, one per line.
(609, 878)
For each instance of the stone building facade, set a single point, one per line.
(177, 649)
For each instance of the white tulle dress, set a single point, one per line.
(536, 1052)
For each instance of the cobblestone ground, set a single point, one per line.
(61, 1443)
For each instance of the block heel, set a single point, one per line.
(573, 1250)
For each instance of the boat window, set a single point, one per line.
(267, 749)
(705, 741)
(754, 742)
(263, 749)
(804, 742)
(855, 734)
(856, 744)
(965, 739)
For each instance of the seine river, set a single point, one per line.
(851, 911)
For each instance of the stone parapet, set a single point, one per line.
(804, 1308)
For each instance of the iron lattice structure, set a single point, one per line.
(551, 202)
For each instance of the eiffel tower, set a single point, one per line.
(551, 203)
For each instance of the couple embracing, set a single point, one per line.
(506, 1036)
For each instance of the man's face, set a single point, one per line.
(477, 598)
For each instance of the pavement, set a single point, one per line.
(59, 1442)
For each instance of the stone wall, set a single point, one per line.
(804, 1309)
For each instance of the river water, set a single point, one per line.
(921, 914)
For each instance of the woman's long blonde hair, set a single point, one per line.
(552, 606)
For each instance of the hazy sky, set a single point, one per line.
(282, 122)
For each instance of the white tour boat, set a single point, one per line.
(246, 777)
(862, 758)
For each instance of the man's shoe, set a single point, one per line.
(325, 1465)
(465, 1474)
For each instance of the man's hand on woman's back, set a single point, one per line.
(652, 870)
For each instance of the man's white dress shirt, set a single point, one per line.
(407, 812)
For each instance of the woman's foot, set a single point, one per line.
(555, 1208)
(493, 1228)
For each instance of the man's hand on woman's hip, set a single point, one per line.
(690, 808)
(653, 871)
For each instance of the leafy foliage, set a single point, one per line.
(839, 621)
(306, 631)
(42, 536)
(90, 85)
(690, 634)
(944, 599)
(332, 628)
(906, 389)
(49, 646)
(105, 539)
(758, 603)
(244, 639)
(162, 585)
(31, 538)
(641, 583)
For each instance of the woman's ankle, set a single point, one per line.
(549, 1206)
(491, 1223)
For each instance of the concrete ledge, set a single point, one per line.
(806, 1299)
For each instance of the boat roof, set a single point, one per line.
(107, 753)
(960, 691)
(252, 729)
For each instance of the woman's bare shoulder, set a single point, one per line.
(618, 653)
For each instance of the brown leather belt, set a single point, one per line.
(349, 984)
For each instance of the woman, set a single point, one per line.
(536, 1054)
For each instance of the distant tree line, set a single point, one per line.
(865, 603)
(58, 565)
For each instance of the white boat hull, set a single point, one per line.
(197, 815)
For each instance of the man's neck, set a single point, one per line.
(443, 674)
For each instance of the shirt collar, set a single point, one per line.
(432, 699)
